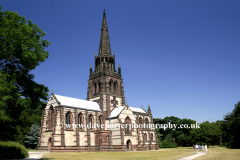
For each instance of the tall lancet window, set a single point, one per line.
(69, 120)
(50, 118)
(95, 88)
(145, 137)
(80, 121)
(100, 122)
(99, 85)
(146, 122)
(115, 85)
(91, 121)
(127, 126)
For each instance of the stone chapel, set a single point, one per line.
(102, 122)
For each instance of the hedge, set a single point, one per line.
(12, 150)
(166, 144)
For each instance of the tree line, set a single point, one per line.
(222, 132)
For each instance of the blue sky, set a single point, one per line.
(179, 56)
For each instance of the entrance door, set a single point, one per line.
(129, 145)
(49, 144)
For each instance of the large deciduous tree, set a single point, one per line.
(231, 128)
(21, 50)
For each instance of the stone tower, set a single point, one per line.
(105, 85)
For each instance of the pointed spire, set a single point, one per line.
(104, 46)
(142, 106)
(95, 54)
(119, 69)
(91, 69)
(149, 109)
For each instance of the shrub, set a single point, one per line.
(166, 144)
(32, 137)
(12, 150)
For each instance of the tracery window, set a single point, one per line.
(127, 126)
(94, 88)
(145, 137)
(99, 87)
(115, 85)
(100, 122)
(140, 122)
(146, 122)
(50, 118)
(69, 120)
(91, 121)
(110, 85)
(80, 120)
(151, 137)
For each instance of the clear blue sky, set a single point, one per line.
(180, 56)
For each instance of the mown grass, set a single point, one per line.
(220, 153)
(214, 153)
(164, 154)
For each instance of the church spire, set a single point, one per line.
(149, 109)
(104, 46)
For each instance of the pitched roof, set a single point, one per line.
(116, 111)
(137, 110)
(78, 103)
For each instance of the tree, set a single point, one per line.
(231, 128)
(32, 137)
(169, 142)
(21, 50)
(159, 135)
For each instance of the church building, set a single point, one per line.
(102, 122)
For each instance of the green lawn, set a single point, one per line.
(165, 154)
(214, 153)
(221, 153)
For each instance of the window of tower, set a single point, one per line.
(99, 85)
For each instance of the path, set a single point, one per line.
(35, 155)
(198, 154)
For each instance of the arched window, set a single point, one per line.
(146, 122)
(91, 121)
(145, 137)
(50, 118)
(99, 86)
(80, 121)
(110, 85)
(127, 126)
(151, 137)
(115, 85)
(95, 88)
(69, 120)
(100, 122)
(140, 122)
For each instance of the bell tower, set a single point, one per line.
(105, 85)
